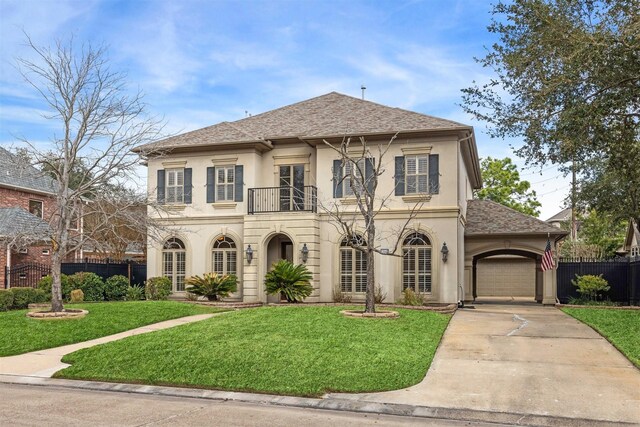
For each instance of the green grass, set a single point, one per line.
(620, 327)
(21, 334)
(282, 350)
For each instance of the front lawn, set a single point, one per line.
(620, 327)
(21, 334)
(303, 351)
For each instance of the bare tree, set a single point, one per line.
(100, 122)
(361, 165)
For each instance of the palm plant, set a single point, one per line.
(213, 286)
(290, 280)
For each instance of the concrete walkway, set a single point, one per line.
(524, 359)
(44, 363)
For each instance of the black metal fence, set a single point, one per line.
(28, 275)
(623, 275)
(282, 199)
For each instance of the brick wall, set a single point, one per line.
(3, 263)
(10, 198)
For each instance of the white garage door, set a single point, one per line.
(506, 277)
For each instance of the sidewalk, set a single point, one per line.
(44, 363)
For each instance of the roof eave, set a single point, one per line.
(27, 189)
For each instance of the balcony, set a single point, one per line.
(282, 199)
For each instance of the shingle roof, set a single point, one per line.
(488, 217)
(563, 215)
(333, 114)
(16, 222)
(15, 173)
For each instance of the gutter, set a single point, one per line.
(27, 189)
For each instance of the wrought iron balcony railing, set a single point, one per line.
(282, 199)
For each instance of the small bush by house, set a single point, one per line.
(134, 293)
(45, 285)
(591, 287)
(77, 295)
(6, 300)
(290, 280)
(91, 284)
(157, 288)
(213, 286)
(115, 288)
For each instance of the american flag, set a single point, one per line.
(547, 258)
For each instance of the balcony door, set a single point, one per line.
(291, 183)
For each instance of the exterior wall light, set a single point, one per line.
(445, 252)
(249, 253)
(305, 253)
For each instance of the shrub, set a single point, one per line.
(379, 294)
(45, 285)
(339, 296)
(586, 301)
(115, 288)
(192, 297)
(77, 295)
(91, 284)
(410, 297)
(591, 286)
(290, 280)
(213, 286)
(6, 300)
(134, 293)
(40, 297)
(22, 297)
(157, 288)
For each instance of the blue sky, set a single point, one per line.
(201, 62)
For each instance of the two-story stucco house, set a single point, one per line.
(241, 195)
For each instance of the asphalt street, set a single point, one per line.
(22, 405)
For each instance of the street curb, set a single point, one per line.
(330, 403)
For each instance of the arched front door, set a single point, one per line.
(279, 247)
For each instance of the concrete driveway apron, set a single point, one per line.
(527, 359)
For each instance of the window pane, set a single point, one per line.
(218, 265)
(230, 174)
(231, 262)
(422, 183)
(229, 191)
(411, 183)
(171, 178)
(423, 162)
(220, 196)
(411, 166)
(180, 178)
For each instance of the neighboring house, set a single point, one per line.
(242, 195)
(631, 246)
(26, 205)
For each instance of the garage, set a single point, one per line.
(506, 276)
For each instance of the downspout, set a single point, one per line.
(8, 267)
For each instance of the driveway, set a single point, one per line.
(524, 358)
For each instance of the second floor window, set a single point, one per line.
(353, 172)
(175, 185)
(35, 207)
(416, 174)
(225, 181)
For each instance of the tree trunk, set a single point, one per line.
(56, 280)
(370, 306)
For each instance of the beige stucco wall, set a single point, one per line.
(199, 223)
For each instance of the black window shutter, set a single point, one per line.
(399, 176)
(368, 173)
(434, 174)
(239, 183)
(160, 187)
(211, 184)
(337, 179)
(188, 187)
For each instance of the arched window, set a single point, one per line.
(353, 266)
(224, 256)
(416, 263)
(174, 262)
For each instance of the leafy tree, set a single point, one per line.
(603, 231)
(567, 80)
(502, 184)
